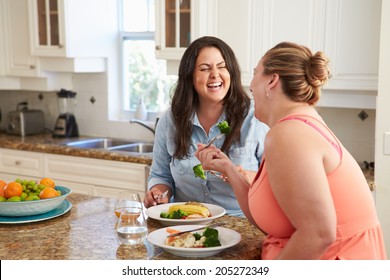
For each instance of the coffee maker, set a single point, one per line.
(66, 125)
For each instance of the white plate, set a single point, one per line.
(155, 211)
(227, 237)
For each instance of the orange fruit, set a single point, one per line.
(48, 192)
(2, 185)
(13, 189)
(48, 182)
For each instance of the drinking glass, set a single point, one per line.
(131, 227)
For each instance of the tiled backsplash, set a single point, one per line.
(357, 136)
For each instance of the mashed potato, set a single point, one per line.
(185, 240)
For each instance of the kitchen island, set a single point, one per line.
(87, 232)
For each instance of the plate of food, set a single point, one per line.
(185, 213)
(204, 242)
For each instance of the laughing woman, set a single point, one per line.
(208, 91)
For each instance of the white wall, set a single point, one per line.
(382, 170)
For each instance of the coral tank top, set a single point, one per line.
(359, 234)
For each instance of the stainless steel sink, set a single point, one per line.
(112, 144)
(140, 147)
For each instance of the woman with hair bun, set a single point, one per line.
(309, 196)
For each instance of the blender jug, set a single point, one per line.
(66, 125)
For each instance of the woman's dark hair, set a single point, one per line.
(302, 74)
(185, 99)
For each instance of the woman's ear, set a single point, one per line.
(274, 80)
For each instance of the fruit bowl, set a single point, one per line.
(33, 207)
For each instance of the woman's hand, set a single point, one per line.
(212, 158)
(152, 196)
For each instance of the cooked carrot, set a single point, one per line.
(172, 231)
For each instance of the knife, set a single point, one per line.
(195, 229)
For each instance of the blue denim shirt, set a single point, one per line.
(178, 174)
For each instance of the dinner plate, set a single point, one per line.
(227, 237)
(63, 208)
(155, 211)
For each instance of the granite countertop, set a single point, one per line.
(87, 232)
(46, 143)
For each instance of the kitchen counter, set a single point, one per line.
(45, 143)
(87, 232)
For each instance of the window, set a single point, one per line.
(145, 77)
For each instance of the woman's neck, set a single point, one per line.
(209, 115)
(291, 108)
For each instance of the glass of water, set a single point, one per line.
(131, 227)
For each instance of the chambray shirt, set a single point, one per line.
(178, 174)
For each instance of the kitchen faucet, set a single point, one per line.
(145, 125)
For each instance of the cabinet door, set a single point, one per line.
(173, 28)
(352, 33)
(19, 60)
(21, 163)
(2, 40)
(71, 28)
(47, 27)
(178, 23)
(96, 172)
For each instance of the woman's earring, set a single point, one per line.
(267, 93)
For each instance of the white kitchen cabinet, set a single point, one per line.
(106, 177)
(2, 41)
(352, 33)
(83, 175)
(5, 82)
(178, 23)
(19, 61)
(21, 163)
(69, 28)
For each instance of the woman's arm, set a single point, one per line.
(213, 158)
(297, 176)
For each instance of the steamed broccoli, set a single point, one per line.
(212, 241)
(211, 235)
(209, 232)
(179, 214)
(224, 127)
(198, 171)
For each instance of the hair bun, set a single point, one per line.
(317, 71)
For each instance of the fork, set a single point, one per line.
(161, 196)
(218, 174)
(219, 136)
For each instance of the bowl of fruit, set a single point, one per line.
(29, 197)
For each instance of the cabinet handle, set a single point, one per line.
(158, 48)
(60, 46)
(18, 162)
(32, 66)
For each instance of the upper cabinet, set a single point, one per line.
(352, 35)
(46, 41)
(69, 28)
(19, 62)
(178, 23)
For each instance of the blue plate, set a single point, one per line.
(64, 207)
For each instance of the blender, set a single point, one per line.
(66, 125)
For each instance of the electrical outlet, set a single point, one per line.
(386, 144)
